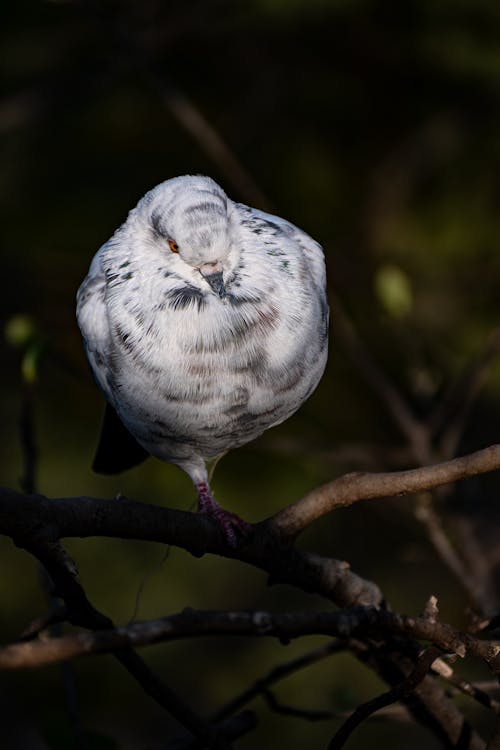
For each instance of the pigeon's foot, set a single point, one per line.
(231, 524)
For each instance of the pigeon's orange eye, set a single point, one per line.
(173, 246)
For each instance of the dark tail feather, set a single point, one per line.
(117, 449)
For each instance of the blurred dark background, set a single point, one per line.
(374, 126)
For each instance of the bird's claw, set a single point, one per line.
(230, 523)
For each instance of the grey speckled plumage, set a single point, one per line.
(205, 323)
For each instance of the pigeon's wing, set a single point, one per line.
(311, 248)
(281, 227)
(92, 317)
(117, 449)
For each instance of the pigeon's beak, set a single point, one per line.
(212, 273)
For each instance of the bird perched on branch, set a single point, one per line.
(205, 323)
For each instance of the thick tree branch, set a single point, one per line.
(28, 518)
(123, 518)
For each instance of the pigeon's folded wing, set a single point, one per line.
(289, 231)
(117, 450)
(93, 321)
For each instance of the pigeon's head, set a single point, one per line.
(189, 218)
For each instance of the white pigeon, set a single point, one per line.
(205, 322)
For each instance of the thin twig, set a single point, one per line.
(275, 675)
(230, 729)
(309, 714)
(450, 415)
(396, 693)
(39, 624)
(29, 450)
(191, 118)
(427, 515)
(181, 107)
(476, 691)
(412, 429)
(480, 562)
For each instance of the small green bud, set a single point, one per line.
(393, 290)
(20, 330)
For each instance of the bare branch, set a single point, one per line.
(27, 518)
(451, 413)
(123, 518)
(429, 704)
(479, 562)
(80, 611)
(351, 488)
(190, 117)
(448, 418)
(476, 691)
(426, 514)
(35, 627)
(28, 442)
(141, 55)
(309, 714)
(51, 519)
(230, 729)
(413, 430)
(276, 674)
(365, 710)
(353, 622)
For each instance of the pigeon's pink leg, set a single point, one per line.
(229, 522)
